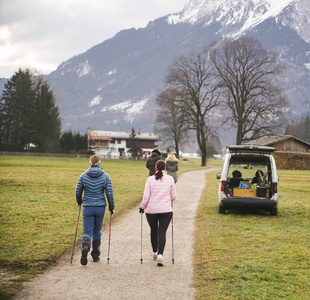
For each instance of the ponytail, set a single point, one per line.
(160, 167)
(94, 161)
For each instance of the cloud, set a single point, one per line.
(42, 34)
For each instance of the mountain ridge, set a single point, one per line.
(113, 85)
(127, 71)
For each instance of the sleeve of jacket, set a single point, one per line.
(147, 163)
(109, 192)
(146, 195)
(79, 190)
(173, 192)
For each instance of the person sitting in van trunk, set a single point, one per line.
(235, 181)
(258, 177)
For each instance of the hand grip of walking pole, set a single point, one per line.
(77, 225)
(108, 259)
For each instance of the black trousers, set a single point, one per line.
(159, 224)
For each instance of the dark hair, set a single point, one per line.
(160, 167)
(156, 151)
(236, 174)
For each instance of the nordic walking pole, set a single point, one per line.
(108, 261)
(77, 225)
(172, 234)
(141, 259)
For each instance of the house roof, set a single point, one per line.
(107, 135)
(271, 140)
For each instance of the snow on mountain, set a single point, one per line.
(229, 12)
(95, 101)
(299, 19)
(114, 84)
(131, 108)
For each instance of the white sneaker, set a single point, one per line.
(155, 256)
(160, 262)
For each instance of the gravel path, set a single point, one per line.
(125, 277)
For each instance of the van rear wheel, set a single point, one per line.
(221, 209)
(274, 211)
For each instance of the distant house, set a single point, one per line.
(115, 144)
(285, 143)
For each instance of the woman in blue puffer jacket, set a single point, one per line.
(95, 184)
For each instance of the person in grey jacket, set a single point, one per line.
(151, 161)
(172, 166)
(95, 184)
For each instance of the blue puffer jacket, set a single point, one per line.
(95, 182)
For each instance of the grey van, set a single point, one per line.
(249, 178)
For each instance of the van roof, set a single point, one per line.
(250, 149)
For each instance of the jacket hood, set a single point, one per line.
(94, 172)
(173, 162)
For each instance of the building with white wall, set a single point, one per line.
(115, 144)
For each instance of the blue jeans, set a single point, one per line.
(92, 221)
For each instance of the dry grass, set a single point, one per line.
(250, 254)
(39, 212)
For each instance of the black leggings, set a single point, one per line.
(159, 224)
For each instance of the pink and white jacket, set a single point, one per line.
(158, 194)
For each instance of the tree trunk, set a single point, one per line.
(202, 146)
(177, 154)
(239, 135)
(203, 159)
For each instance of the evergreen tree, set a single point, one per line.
(80, 141)
(17, 111)
(299, 129)
(133, 144)
(28, 114)
(75, 142)
(48, 122)
(307, 129)
(67, 141)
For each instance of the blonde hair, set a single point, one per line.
(94, 161)
(172, 157)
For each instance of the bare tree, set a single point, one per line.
(194, 79)
(249, 80)
(171, 120)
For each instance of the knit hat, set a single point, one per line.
(156, 151)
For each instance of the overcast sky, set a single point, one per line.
(41, 34)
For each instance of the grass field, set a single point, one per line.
(250, 254)
(39, 212)
(239, 255)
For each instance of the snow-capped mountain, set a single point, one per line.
(229, 12)
(114, 84)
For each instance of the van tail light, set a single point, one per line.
(222, 185)
(275, 187)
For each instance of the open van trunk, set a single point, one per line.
(249, 179)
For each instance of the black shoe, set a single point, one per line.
(96, 259)
(84, 257)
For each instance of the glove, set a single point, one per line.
(80, 201)
(141, 211)
(111, 211)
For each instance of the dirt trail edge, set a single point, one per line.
(125, 277)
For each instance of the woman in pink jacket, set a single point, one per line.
(158, 193)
